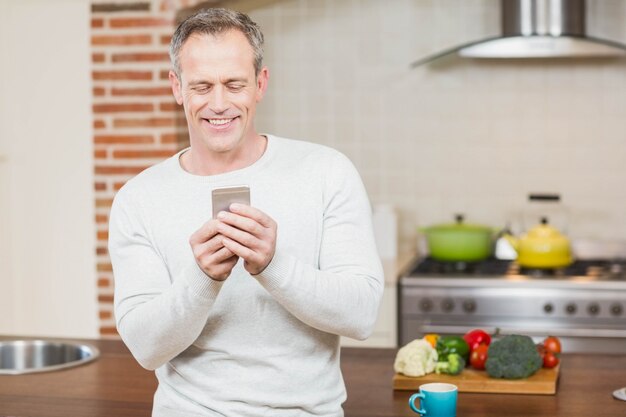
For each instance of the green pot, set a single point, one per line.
(460, 242)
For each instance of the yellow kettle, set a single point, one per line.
(543, 246)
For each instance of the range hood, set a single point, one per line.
(538, 29)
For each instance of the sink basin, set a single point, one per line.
(28, 356)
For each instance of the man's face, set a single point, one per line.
(219, 90)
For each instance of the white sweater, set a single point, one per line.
(251, 346)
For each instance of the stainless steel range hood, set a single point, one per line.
(538, 29)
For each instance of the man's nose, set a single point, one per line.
(219, 101)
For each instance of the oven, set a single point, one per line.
(583, 304)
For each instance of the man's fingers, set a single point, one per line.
(253, 213)
(204, 233)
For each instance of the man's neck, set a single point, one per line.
(201, 163)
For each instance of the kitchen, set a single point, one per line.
(452, 136)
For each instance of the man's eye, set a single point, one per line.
(235, 87)
(201, 89)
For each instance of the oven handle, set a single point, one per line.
(603, 333)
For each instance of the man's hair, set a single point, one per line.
(214, 22)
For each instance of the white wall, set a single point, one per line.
(47, 260)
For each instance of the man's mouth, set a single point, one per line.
(219, 123)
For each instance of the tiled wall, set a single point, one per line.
(458, 135)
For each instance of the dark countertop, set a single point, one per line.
(115, 385)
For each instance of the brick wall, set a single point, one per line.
(136, 120)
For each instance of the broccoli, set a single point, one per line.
(454, 365)
(513, 357)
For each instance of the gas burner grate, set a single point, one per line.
(492, 266)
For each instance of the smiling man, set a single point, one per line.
(241, 314)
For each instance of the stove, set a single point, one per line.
(583, 304)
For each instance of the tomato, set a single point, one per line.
(477, 337)
(550, 360)
(478, 357)
(552, 344)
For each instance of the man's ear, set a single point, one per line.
(176, 87)
(261, 83)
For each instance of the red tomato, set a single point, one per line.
(477, 337)
(550, 360)
(552, 344)
(478, 357)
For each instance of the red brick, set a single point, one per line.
(169, 138)
(119, 170)
(104, 202)
(105, 315)
(101, 218)
(149, 122)
(97, 23)
(164, 74)
(122, 75)
(100, 186)
(98, 91)
(141, 57)
(102, 251)
(139, 22)
(104, 282)
(170, 106)
(166, 39)
(99, 124)
(118, 185)
(102, 235)
(142, 91)
(104, 268)
(111, 139)
(147, 153)
(108, 331)
(105, 40)
(122, 107)
(97, 58)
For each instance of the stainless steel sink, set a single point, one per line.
(28, 356)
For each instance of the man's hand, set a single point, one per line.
(211, 256)
(250, 234)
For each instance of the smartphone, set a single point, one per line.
(223, 197)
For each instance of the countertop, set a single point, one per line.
(116, 386)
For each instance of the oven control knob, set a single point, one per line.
(469, 306)
(548, 308)
(426, 305)
(616, 309)
(447, 305)
(570, 308)
(593, 309)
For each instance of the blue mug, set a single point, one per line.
(436, 400)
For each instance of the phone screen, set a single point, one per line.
(223, 197)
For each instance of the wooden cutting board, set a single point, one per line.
(471, 380)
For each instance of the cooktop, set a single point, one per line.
(599, 269)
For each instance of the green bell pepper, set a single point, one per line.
(452, 344)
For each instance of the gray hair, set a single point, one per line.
(214, 22)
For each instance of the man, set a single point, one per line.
(240, 315)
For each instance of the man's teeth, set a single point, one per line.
(219, 121)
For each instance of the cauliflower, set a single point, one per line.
(416, 358)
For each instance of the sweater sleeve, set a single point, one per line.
(342, 294)
(157, 316)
